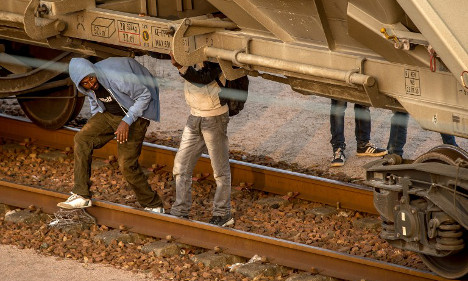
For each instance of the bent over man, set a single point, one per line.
(206, 127)
(124, 97)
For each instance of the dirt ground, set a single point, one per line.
(27, 265)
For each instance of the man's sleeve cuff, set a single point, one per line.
(127, 119)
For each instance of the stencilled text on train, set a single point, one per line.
(160, 38)
(412, 82)
(129, 32)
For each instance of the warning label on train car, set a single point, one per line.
(103, 27)
(145, 35)
(412, 83)
(161, 39)
(129, 32)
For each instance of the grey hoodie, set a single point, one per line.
(129, 82)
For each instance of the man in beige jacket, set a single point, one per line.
(206, 127)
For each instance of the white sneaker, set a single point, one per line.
(75, 201)
(157, 210)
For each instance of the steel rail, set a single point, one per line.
(331, 192)
(278, 251)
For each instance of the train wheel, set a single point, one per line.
(49, 112)
(456, 265)
(78, 106)
(453, 266)
(40, 83)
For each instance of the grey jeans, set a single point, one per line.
(201, 132)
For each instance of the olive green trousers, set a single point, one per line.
(95, 134)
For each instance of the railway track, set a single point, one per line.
(204, 235)
(311, 188)
(295, 255)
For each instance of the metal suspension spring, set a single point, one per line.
(449, 237)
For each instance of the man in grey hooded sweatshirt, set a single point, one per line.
(124, 97)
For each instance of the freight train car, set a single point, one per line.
(404, 55)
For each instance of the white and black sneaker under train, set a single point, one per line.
(370, 150)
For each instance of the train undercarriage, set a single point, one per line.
(402, 55)
(38, 77)
(424, 206)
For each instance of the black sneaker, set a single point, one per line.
(338, 158)
(370, 150)
(226, 220)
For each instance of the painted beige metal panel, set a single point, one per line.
(14, 6)
(128, 6)
(387, 11)
(365, 26)
(177, 9)
(444, 24)
(238, 14)
(64, 7)
(152, 8)
(295, 20)
(336, 16)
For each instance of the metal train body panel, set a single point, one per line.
(369, 52)
(404, 55)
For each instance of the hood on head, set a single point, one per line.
(79, 68)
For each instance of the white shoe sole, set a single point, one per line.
(69, 207)
(155, 212)
(228, 223)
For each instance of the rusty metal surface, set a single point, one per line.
(59, 109)
(231, 241)
(266, 179)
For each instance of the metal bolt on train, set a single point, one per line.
(403, 55)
